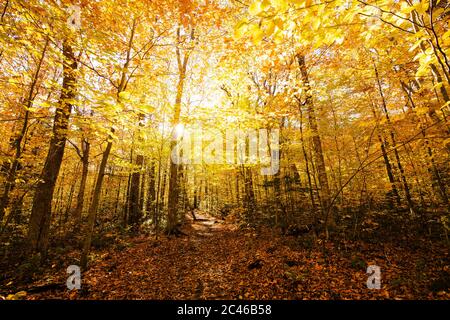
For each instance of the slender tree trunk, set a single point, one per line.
(163, 190)
(238, 195)
(101, 172)
(86, 147)
(151, 195)
(59, 197)
(249, 200)
(308, 172)
(277, 186)
(70, 198)
(338, 151)
(116, 205)
(142, 191)
(394, 143)
(435, 174)
(387, 163)
(317, 143)
(135, 212)
(158, 197)
(95, 203)
(17, 142)
(195, 196)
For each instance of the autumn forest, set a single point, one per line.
(224, 149)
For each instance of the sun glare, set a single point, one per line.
(179, 130)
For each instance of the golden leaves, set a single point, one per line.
(259, 8)
(257, 34)
(255, 8)
(446, 38)
(240, 29)
(421, 7)
(281, 5)
(17, 296)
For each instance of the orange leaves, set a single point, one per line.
(212, 263)
(317, 267)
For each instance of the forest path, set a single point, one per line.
(202, 264)
(201, 231)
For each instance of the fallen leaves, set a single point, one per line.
(223, 263)
(16, 296)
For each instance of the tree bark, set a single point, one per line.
(135, 212)
(85, 145)
(151, 195)
(94, 205)
(173, 173)
(39, 224)
(308, 172)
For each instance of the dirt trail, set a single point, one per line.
(199, 265)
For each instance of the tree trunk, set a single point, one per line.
(84, 174)
(70, 198)
(173, 173)
(249, 200)
(388, 165)
(94, 205)
(317, 143)
(42, 203)
(394, 143)
(135, 213)
(308, 172)
(151, 195)
(435, 174)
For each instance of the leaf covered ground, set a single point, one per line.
(216, 260)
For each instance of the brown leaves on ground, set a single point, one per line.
(217, 261)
